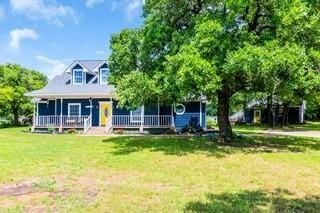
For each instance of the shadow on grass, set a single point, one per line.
(255, 201)
(174, 145)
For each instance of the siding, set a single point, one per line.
(49, 109)
(192, 113)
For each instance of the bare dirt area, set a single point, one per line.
(300, 133)
(23, 193)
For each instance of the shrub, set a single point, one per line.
(4, 123)
(119, 131)
(211, 123)
(170, 131)
(51, 130)
(72, 131)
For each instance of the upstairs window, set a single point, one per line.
(77, 76)
(104, 75)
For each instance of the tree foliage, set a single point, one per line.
(15, 81)
(219, 48)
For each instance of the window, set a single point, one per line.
(74, 109)
(77, 76)
(179, 109)
(135, 116)
(104, 75)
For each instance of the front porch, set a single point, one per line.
(84, 123)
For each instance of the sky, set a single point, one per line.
(47, 35)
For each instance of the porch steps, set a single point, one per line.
(96, 131)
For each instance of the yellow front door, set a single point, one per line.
(105, 112)
(257, 116)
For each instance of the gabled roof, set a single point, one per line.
(59, 86)
(88, 65)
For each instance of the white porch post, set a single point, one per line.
(200, 113)
(34, 117)
(158, 113)
(55, 106)
(172, 117)
(61, 106)
(90, 100)
(142, 120)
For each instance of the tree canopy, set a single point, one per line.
(15, 81)
(218, 48)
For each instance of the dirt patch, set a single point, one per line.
(17, 189)
(22, 193)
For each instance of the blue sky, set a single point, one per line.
(47, 35)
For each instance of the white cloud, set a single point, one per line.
(100, 52)
(92, 3)
(133, 7)
(50, 67)
(2, 13)
(48, 10)
(130, 8)
(17, 35)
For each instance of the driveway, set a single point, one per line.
(298, 133)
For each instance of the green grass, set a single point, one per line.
(70, 173)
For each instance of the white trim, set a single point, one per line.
(200, 120)
(74, 104)
(55, 107)
(71, 66)
(103, 69)
(83, 77)
(179, 113)
(101, 102)
(78, 95)
(97, 68)
(136, 116)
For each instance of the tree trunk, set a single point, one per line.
(223, 114)
(269, 110)
(285, 116)
(276, 115)
(15, 116)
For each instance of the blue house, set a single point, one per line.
(81, 98)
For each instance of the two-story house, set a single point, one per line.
(81, 98)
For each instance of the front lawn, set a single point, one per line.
(70, 173)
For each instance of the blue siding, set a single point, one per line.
(192, 113)
(191, 116)
(49, 109)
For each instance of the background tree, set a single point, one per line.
(189, 48)
(15, 81)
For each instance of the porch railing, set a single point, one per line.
(136, 121)
(87, 124)
(109, 124)
(56, 121)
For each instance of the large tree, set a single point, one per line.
(187, 48)
(15, 81)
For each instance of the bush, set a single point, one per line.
(193, 127)
(72, 131)
(170, 131)
(211, 123)
(119, 131)
(4, 123)
(51, 130)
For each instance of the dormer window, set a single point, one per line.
(104, 72)
(77, 76)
